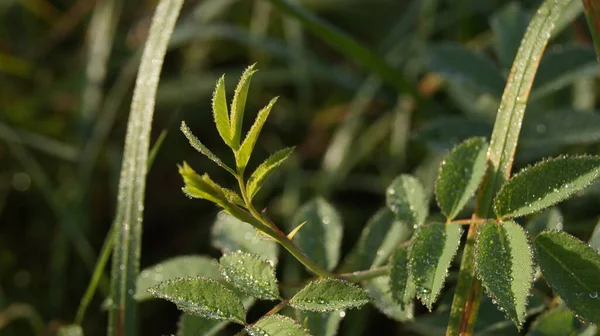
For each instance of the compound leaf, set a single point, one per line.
(203, 297)
(545, 184)
(461, 172)
(572, 269)
(326, 295)
(505, 266)
(250, 274)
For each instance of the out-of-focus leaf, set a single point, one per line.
(460, 65)
(178, 267)
(250, 274)
(402, 287)
(260, 175)
(203, 297)
(545, 184)
(379, 290)
(327, 295)
(508, 25)
(321, 236)
(378, 239)
(505, 266)
(550, 219)
(230, 234)
(560, 128)
(572, 269)
(191, 325)
(406, 198)
(461, 172)
(242, 155)
(444, 133)
(70, 330)
(594, 241)
(275, 325)
(556, 322)
(561, 66)
(321, 324)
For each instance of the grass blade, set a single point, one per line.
(132, 185)
(503, 143)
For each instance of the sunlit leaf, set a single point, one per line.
(545, 184)
(407, 199)
(461, 172)
(378, 239)
(250, 274)
(275, 325)
(556, 322)
(260, 175)
(327, 295)
(572, 269)
(199, 146)
(401, 283)
(242, 155)
(431, 251)
(238, 105)
(230, 234)
(202, 297)
(321, 236)
(178, 267)
(379, 290)
(505, 266)
(220, 112)
(197, 186)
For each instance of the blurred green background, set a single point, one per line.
(67, 69)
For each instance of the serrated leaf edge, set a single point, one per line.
(274, 296)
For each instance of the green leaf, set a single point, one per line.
(407, 199)
(594, 241)
(321, 236)
(242, 155)
(572, 269)
(178, 267)
(201, 186)
(562, 66)
(505, 266)
(460, 65)
(545, 184)
(556, 322)
(560, 128)
(461, 172)
(199, 146)
(378, 239)
(443, 133)
(550, 219)
(202, 297)
(230, 234)
(233, 197)
(401, 283)
(276, 325)
(431, 252)
(260, 175)
(379, 290)
(319, 323)
(250, 274)
(70, 330)
(238, 105)
(509, 26)
(220, 112)
(191, 325)
(327, 295)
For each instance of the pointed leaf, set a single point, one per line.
(432, 249)
(572, 269)
(250, 274)
(275, 325)
(199, 146)
(178, 267)
(401, 283)
(505, 266)
(460, 65)
(230, 234)
(407, 199)
(556, 322)
(545, 184)
(233, 197)
(378, 239)
(201, 186)
(509, 26)
(379, 290)
(326, 295)
(243, 154)
(238, 105)
(203, 297)
(550, 219)
(260, 175)
(461, 172)
(321, 324)
(321, 236)
(70, 330)
(220, 112)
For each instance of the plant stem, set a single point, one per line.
(365, 275)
